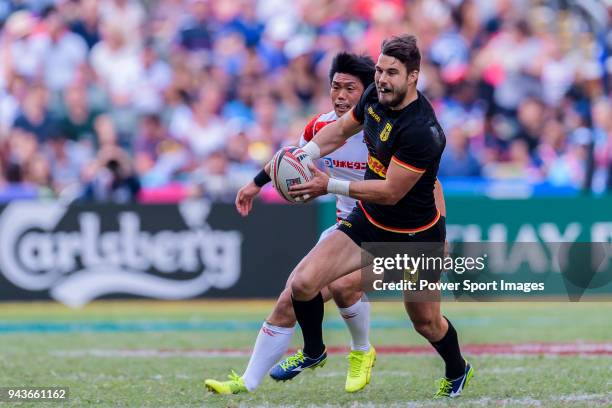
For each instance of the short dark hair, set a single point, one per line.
(404, 48)
(360, 66)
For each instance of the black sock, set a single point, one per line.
(448, 348)
(309, 315)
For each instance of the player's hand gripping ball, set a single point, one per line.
(290, 167)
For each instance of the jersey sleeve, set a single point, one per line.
(418, 150)
(313, 127)
(358, 111)
(309, 131)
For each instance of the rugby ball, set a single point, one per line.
(289, 167)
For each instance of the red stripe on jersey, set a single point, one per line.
(309, 130)
(314, 126)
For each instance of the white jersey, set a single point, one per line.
(348, 162)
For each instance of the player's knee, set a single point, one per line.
(282, 315)
(344, 292)
(303, 289)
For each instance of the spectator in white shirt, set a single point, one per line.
(200, 127)
(128, 15)
(59, 51)
(116, 64)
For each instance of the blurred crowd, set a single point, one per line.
(164, 99)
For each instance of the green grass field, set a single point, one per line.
(153, 354)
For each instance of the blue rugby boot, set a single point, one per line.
(295, 364)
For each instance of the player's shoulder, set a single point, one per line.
(424, 130)
(328, 117)
(419, 116)
(317, 122)
(420, 125)
(368, 98)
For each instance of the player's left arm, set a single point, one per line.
(408, 164)
(397, 184)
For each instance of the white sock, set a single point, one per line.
(271, 344)
(357, 318)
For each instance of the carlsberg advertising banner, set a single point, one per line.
(75, 254)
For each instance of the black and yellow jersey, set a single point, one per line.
(412, 138)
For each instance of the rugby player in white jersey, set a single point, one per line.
(349, 75)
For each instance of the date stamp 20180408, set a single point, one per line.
(25, 393)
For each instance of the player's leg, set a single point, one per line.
(355, 310)
(272, 343)
(281, 318)
(333, 257)
(282, 315)
(423, 307)
(353, 307)
(428, 321)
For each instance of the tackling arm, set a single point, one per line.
(328, 139)
(332, 136)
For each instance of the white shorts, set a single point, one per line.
(327, 232)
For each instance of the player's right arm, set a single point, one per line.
(246, 195)
(324, 141)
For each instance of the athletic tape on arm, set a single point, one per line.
(341, 187)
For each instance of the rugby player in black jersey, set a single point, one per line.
(396, 200)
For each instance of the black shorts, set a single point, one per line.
(377, 242)
(360, 230)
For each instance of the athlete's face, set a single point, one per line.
(392, 80)
(345, 92)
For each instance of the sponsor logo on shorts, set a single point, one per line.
(384, 135)
(377, 167)
(411, 275)
(345, 222)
